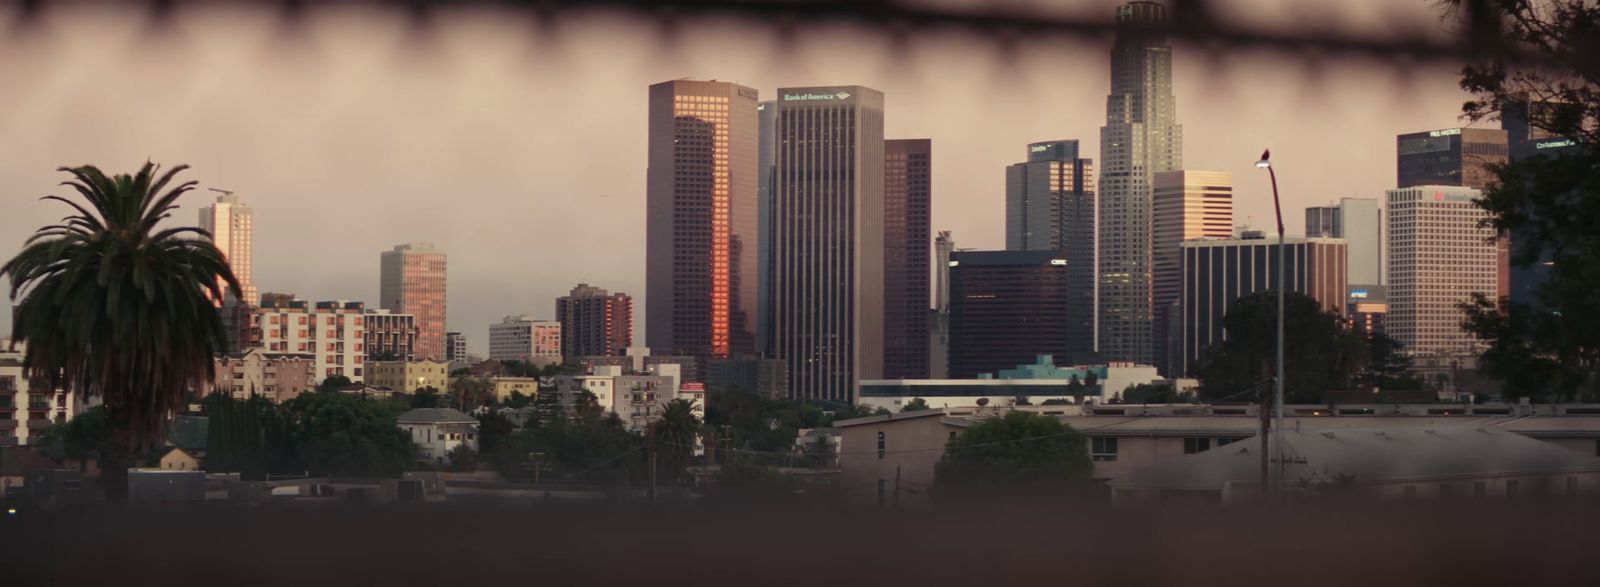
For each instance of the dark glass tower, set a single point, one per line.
(907, 200)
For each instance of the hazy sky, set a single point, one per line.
(523, 155)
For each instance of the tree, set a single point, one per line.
(916, 404)
(1150, 393)
(1320, 352)
(1548, 203)
(463, 459)
(493, 430)
(675, 436)
(1075, 388)
(333, 383)
(345, 435)
(467, 393)
(427, 397)
(1018, 449)
(116, 308)
(1387, 365)
(81, 438)
(517, 400)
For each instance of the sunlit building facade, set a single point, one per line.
(1188, 204)
(701, 278)
(594, 322)
(413, 280)
(231, 226)
(1141, 137)
(1438, 257)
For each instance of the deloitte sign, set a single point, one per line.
(808, 97)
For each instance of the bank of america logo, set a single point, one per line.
(842, 95)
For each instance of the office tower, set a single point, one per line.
(1527, 140)
(1322, 221)
(1216, 273)
(1452, 156)
(1457, 157)
(1187, 204)
(766, 149)
(1050, 206)
(390, 336)
(1141, 137)
(1368, 307)
(827, 239)
(412, 281)
(1438, 257)
(333, 331)
(1006, 308)
(701, 279)
(907, 201)
(229, 223)
(455, 347)
(939, 340)
(1359, 222)
(521, 338)
(594, 322)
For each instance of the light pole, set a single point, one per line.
(1277, 400)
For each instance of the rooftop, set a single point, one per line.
(436, 416)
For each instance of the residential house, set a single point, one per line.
(437, 431)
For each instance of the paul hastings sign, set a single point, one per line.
(816, 96)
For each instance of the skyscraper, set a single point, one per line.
(1007, 307)
(1050, 206)
(827, 253)
(939, 339)
(594, 322)
(1359, 222)
(1187, 205)
(230, 225)
(907, 201)
(1457, 157)
(766, 150)
(1527, 140)
(1216, 273)
(701, 279)
(412, 281)
(1438, 257)
(1141, 137)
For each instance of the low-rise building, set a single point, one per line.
(505, 386)
(637, 399)
(1127, 438)
(28, 408)
(410, 376)
(276, 376)
(521, 338)
(1450, 459)
(332, 331)
(391, 336)
(177, 459)
(437, 431)
(1030, 384)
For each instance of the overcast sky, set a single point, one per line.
(523, 156)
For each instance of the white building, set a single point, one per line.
(230, 225)
(636, 399)
(26, 411)
(1438, 257)
(333, 332)
(437, 431)
(521, 338)
(1035, 383)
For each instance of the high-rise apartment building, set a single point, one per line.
(412, 281)
(1188, 205)
(1438, 257)
(334, 332)
(1050, 206)
(230, 225)
(594, 322)
(701, 278)
(390, 336)
(521, 338)
(907, 209)
(455, 344)
(1007, 307)
(827, 237)
(1216, 273)
(1141, 137)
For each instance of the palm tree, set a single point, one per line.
(676, 434)
(116, 308)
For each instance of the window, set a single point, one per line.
(1194, 445)
(441, 437)
(882, 444)
(1103, 449)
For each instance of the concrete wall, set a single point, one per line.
(907, 445)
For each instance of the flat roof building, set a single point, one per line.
(907, 209)
(1007, 307)
(1188, 204)
(1438, 257)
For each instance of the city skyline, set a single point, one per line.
(283, 179)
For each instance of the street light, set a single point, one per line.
(1277, 405)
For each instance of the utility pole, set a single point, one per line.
(897, 487)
